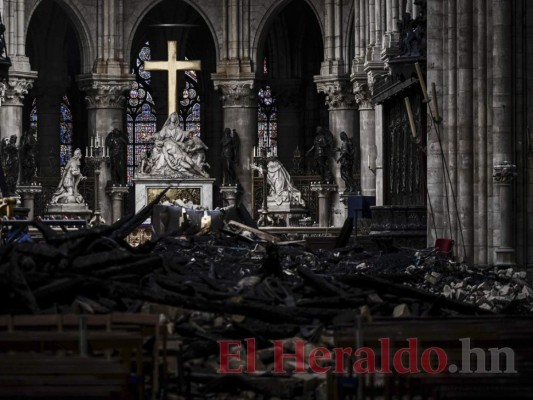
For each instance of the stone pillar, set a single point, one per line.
(342, 117)
(11, 112)
(106, 99)
(239, 103)
(435, 173)
(367, 139)
(27, 195)
(324, 193)
(504, 174)
(502, 125)
(229, 194)
(117, 194)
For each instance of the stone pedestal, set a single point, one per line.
(229, 193)
(27, 195)
(324, 192)
(197, 190)
(68, 210)
(117, 194)
(290, 213)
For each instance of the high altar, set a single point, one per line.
(177, 159)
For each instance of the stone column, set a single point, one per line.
(435, 173)
(325, 192)
(27, 195)
(502, 125)
(239, 104)
(106, 99)
(11, 112)
(342, 117)
(367, 139)
(117, 194)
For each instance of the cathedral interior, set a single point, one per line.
(275, 199)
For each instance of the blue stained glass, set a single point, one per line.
(65, 131)
(140, 118)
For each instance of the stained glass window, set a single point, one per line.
(33, 115)
(65, 132)
(65, 129)
(141, 118)
(267, 120)
(189, 110)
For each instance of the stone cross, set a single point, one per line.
(172, 65)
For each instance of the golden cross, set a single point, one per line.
(172, 65)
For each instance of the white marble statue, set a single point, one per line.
(67, 190)
(281, 189)
(172, 155)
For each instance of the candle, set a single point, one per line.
(86, 152)
(411, 117)
(422, 82)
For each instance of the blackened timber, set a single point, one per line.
(320, 283)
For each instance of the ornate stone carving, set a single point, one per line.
(237, 93)
(338, 93)
(175, 153)
(17, 88)
(504, 172)
(105, 93)
(362, 95)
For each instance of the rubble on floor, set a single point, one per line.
(234, 286)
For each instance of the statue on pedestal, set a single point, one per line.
(230, 156)
(67, 190)
(28, 157)
(322, 146)
(170, 156)
(117, 143)
(281, 188)
(10, 162)
(347, 155)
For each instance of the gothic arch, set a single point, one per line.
(269, 16)
(78, 17)
(141, 9)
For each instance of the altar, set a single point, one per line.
(198, 190)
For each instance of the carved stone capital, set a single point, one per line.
(117, 192)
(504, 172)
(362, 95)
(338, 92)
(105, 91)
(237, 93)
(17, 87)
